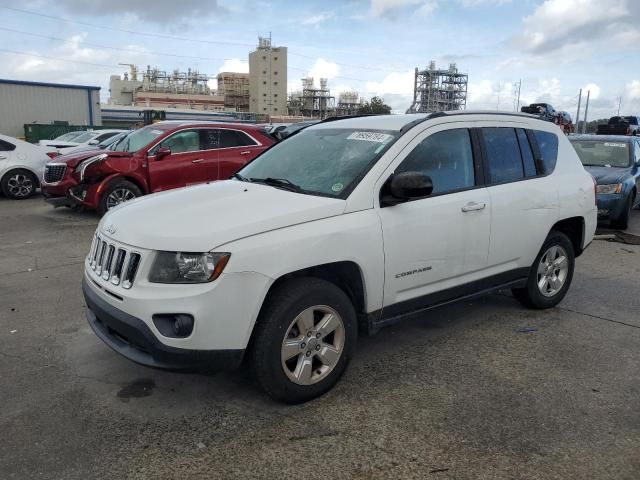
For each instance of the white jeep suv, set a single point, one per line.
(344, 227)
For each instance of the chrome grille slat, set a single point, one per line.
(113, 263)
(54, 173)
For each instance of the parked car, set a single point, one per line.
(614, 161)
(158, 157)
(92, 146)
(545, 111)
(629, 125)
(349, 224)
(564, 121)
(282, 133)
(21, 166)
(90, 137)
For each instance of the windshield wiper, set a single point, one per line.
(279, 182)
(237, 176)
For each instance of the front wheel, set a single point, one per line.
(303, 340)
(117, 192)
(19, 184)
(550, 275)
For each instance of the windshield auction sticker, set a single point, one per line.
(615, 145)
(376, 137)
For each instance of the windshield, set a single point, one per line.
(112, 141)
(68, 136)
(602, 154)
(322, 161)
(85, 137)
(138, 139)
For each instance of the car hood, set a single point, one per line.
(73, 159)
(609, 175)
(203, 217)
(57, 144)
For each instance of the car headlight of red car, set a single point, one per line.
(82, 166)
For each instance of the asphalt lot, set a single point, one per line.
(479, 390)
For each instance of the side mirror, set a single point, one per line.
(162, 152)
(94, 142)
(407, 186)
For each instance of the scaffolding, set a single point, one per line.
(159, 81)
(312, 101)
(235, 89)
(349, 102)
(439, 90)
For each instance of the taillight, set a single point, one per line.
(52, 154)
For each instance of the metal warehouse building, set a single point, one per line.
(46, 103)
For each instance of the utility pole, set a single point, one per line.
(518, 101)
(578, 113)
(499, 88)
(586, 111)
(619, 104)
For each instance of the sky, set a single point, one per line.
(553, 47)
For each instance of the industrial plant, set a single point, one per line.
(437, 90)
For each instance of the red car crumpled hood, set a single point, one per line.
(73, 159)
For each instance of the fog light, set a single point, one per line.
(174, 325)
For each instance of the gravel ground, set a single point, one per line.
(478, 390)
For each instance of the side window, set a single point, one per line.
(548, 146)
(209, 139)
(185, 141)
(446, 157)
(503, 155)
(104, 136)
(527, 154)
(234, 138)
(6, 146)
(637, 155)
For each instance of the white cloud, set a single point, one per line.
(380, 8)
(593, 89)
(555, 24)
(632, 90)
(400, 83)
(317, 19)
(234, 65)
(324, 69)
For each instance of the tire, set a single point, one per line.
(286, 311)
(532, 295)
(18, 184)
(123, 189)
(622, 222)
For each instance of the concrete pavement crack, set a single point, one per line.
(599, 317)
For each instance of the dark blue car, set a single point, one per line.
(614, 161)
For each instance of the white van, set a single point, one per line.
(342, 228)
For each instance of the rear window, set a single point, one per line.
(6, 146)
(503, 155)
(548, 146)
(601, 153)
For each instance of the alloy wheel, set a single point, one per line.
(20, 185)
(118, 196)
(552, 270)
(313, 345)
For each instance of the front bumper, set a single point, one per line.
(133, 339)
(611, 205)
(69, 193)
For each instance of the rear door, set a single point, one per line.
(236, 149)
(185, 165)
(524, 201)
(7, 154)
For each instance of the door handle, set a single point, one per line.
(2, 157)
(246, 152)
(471, 206)
(198, 160)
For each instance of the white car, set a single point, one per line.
(90, 137)
(21, 166)
(345, 227)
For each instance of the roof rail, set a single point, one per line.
(344, 117)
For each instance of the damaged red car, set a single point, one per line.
(158, 157)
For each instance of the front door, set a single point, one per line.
(187, 164)
(435, 243)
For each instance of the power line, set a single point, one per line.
(175, 37)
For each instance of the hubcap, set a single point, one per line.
(118, 196)
(20, 185)
(552, 271)
(313, 345)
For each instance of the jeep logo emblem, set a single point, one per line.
(111, 229)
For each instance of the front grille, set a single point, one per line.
(113, 263)
(54, 173)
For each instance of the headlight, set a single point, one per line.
(82, 166)
(181, 267)
(613, 188)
